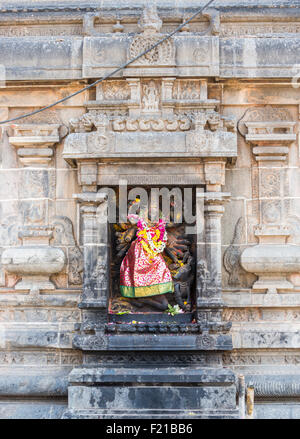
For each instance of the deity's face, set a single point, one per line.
(146, 209)
(150, 212)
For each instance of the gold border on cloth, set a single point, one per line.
(149, 290)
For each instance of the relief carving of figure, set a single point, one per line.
(63, 236)
(238, 277)
(183, 280)
(150, 98)
(204, 275)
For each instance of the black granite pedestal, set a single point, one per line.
(152, 392)
(152, 370)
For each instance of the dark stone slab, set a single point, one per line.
(34, 383)
(152, 397)
(170, 375)
(153, 342)
(163, 327)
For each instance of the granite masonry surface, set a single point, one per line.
(216, 107)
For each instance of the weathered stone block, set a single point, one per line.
(41, 58)
(256, 57)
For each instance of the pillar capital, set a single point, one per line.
(214, 174)
(214, 202)
(90, 199)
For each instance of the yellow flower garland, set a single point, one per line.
(145, 244)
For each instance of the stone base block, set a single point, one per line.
(105, 393)
(272, 285)
(31, 408)
(37, 282)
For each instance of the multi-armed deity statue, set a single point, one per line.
(156, 262)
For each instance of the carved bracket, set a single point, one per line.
(35, 142)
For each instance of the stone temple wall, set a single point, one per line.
(249, 59)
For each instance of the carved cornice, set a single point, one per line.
(175, 123)
(16, 7)
(34, 134)
(159, 117)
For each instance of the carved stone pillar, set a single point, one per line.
(96, 250)
(272, 260)
(209, 270)
(36, 260)
(135, 96)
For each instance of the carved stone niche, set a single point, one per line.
(269, 131)
(161, 139)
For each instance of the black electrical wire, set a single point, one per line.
(114, 71)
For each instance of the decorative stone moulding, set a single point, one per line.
(34, 142)
(155, 123)
(35, 261)
(272, 260)
(270, 140)
(162, 55)
(270, 132)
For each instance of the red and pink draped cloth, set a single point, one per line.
(142, 276)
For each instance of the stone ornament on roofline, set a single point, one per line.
(151, 24)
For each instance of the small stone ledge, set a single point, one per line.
(32, 382)
(153, 342)
(244, 299)
(150, 414)
(61, 298)
(174, 375)
(32, 408)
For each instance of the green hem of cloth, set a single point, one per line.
(146, 291)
